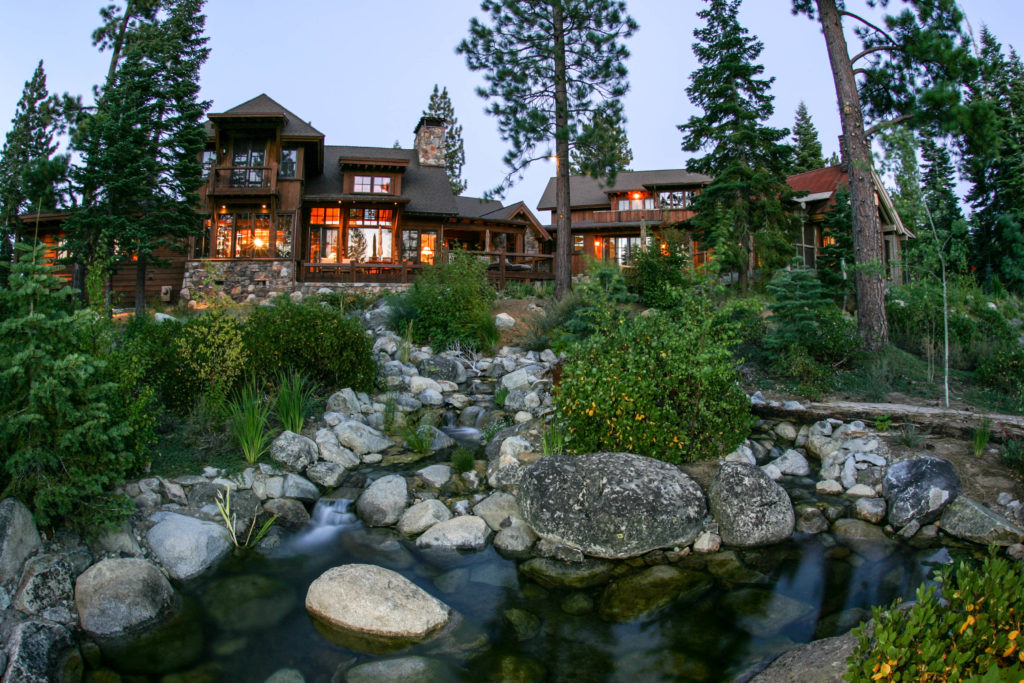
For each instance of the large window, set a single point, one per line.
(369, 234)
(622, 250)
(675, 199)
(807, 246)
(634, 201)
(248, 159)
(242, 234)
(324, 227)
(207, 160)
(283, 244)
(372, 184)
(289, 163)
(419, 246)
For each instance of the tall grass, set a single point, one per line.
(248, 418)
(294, 398)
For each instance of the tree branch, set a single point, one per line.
(882, 125)
(870, 50)
(867, 23)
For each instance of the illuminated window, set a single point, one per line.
(283, 244)
(371, 184)
(635, 201)
(323, 234)
(324, 216)
(419, 246)
(675, 199)
(807, 245)
(577, 244)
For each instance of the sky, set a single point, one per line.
(362, 72)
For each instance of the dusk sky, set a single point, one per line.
(363, 72)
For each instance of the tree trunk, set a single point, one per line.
(867, 231)
(563, 234)
(140, 286)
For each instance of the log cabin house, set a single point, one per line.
(283, 212)
(610, 222)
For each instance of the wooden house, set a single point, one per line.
(608, 220)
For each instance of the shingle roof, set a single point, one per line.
(476, 206)
(587, 191)
(262, 104)
(426, 189)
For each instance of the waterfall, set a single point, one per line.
(329, 520)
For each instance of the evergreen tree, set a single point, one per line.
(551, 67)
(32, 176)
(914, 72)
(993, 162)
(899, 147)
(943, 211)
(601, 145)
(454, 150)
(141, 168)
(835, 258)
(806, 145)
(744, 207)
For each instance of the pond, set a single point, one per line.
(748, 606)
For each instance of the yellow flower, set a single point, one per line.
(969, 622)
(1013, 635)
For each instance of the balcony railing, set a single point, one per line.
(242, 180)
(637, 215)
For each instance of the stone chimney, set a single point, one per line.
(430, 141)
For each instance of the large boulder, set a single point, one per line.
(919, 489)
(360, 438)
(820, 660)
(611, 505)
(41, 652)
(458, 533)
(344, 402)
(441, 368)
(187, 547)
(750, 508)
(967, 519)
(383, 503)
(46, 582)
(422, 516)
(294, 452)
(120, 596)
(370, 608)
(19, 538)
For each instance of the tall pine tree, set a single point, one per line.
(744, 206)
(602, 144)
(899, 160)
(806, 145)
(141, 170)
(551, 67)
(938, 180)
(32, 175)
(454, 151)
(993, 163)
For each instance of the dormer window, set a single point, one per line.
(289, 163)
(376, 184)
(635, 200)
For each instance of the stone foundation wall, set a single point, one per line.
(257, 282)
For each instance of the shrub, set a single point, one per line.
(320, 341)
(249, 415)
(462, 459)
(449, 303)
(293, 400)
(600, 300)
(805, 316)
(1012, 454)
(658, 385)
(665, 264)
(973, 630)
(67, 433)
(212, 356)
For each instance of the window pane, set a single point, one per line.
(261, 235)
(289, 163)
(332, 216)
(623, 205)
(382, 184)
(385, 216)
(428, 247)
(316, 216)
(225, 229)
(362, 183)
(410, 245)
(283, 245)
(209, 156)
(243, 236)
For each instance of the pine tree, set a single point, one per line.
(744, 206)
(835, 258)
(141, 168)
(943, 211)
(454, 150)
(32, 176)
(914, 72)
(993, 162)
(806, 145)
(899, 147)
(551, 67)
(601, 145)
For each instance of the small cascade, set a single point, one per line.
(329, 520)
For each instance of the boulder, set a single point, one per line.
(373, 608)
(611, 505)
(503, 321)
(792, 463)
(419, 383)
(468, 532)
(869, 509)
(504, 469)
(290, 513)
(123, 596)
(970, 520)
(331, 450)
(360, 438)
(45, 582)
(41, 652)
(326, 474)
(441, 368)
(402, 670)
(821, 660)
(517, 380)
(637, 595)
(919, 489)
(293, 452)
(555, 574)
(299, 488)
(864, 538)
(383, 503)
(496, 508)
(515, 539)
(422, 516)
(435, 476)
(344, 402)
(186, 547)
(19, 538)
(751, 509)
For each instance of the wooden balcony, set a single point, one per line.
(244, 180)
(637, 215)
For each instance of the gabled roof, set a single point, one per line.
(476, 206)
(425, 189)
(820, 186)
(585, 191)
(262, 105)
(819, 180)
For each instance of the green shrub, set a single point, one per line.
(600, 305)
(462, 459)
(974, 629)
(747, 315)
(810, 378)
(67, 434)
(329, 347)
(657, 385)
(449, 303)
(418, 439)
(665, 264)
(212, 357)
(804, 315)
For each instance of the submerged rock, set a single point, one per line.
(611, 505)
(821, 660)
(401, 670)
(373, 609)
(640, 594)
(750, 508)
(248, 602)
(555, 574)
(468, 532)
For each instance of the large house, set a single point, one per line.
(611, 222)
(284, 212)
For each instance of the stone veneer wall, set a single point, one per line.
(258, 281)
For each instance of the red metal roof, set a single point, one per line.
(819, 180)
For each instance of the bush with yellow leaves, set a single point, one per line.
(973, 633)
